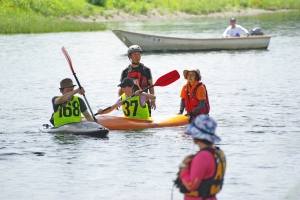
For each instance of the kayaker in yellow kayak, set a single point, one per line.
(68, 108)
(135, 107)
(193, 95)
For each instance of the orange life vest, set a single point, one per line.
(191, 101)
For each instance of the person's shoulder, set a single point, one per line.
(184, 85)
(202, 86)
(79, 99)
(126, 68)
(239, 26)
(205, 153)
(143, 66)
(55, 97)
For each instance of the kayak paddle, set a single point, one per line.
(71, 66)
(164, 80)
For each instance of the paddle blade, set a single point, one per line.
(167, 79)
(68, 58)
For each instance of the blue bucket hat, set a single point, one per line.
(203, 127)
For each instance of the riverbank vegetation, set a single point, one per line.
(36, 16)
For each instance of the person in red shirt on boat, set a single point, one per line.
(193, 95)
(135, 107)
(68, 108)
(201, 176)
(139, 73)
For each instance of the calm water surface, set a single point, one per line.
(254, 98)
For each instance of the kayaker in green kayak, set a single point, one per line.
(68, 108)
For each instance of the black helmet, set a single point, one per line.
(134, 48)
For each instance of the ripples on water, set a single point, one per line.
(254, 97)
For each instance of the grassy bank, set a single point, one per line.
(36, 16)
(197, 7)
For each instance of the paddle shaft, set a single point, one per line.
(72, 69)
(164, 80)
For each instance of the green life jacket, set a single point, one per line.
(132, 108)
(69, 113)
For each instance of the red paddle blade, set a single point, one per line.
(167, 79)
(68, 58)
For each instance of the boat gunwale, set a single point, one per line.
(180, 38)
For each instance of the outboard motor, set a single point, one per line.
(256, 31)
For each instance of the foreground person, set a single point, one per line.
(136, 107)
(201, 175)
(68, 108)
(193, 95)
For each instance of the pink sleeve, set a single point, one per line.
(119, 100)
(143, 100)
(202, 167)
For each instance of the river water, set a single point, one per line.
(254, 98)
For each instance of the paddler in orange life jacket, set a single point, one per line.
(67, 107)
(201, 176)
(135, 107)
(139, 73)
(193, 95)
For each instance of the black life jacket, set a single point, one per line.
(139, 75)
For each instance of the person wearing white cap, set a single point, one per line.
(235, 30)
(194, 97)
(68, 108)
(201, 176)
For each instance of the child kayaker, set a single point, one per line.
(140, 74)
(135, 107)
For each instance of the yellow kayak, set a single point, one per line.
(122, 123)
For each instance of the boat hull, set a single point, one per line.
(122, 123)
(87, 128)
(162, 43)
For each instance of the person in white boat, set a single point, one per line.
(235, 30)
(135, 107)
(139, 73)
(67, 107)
